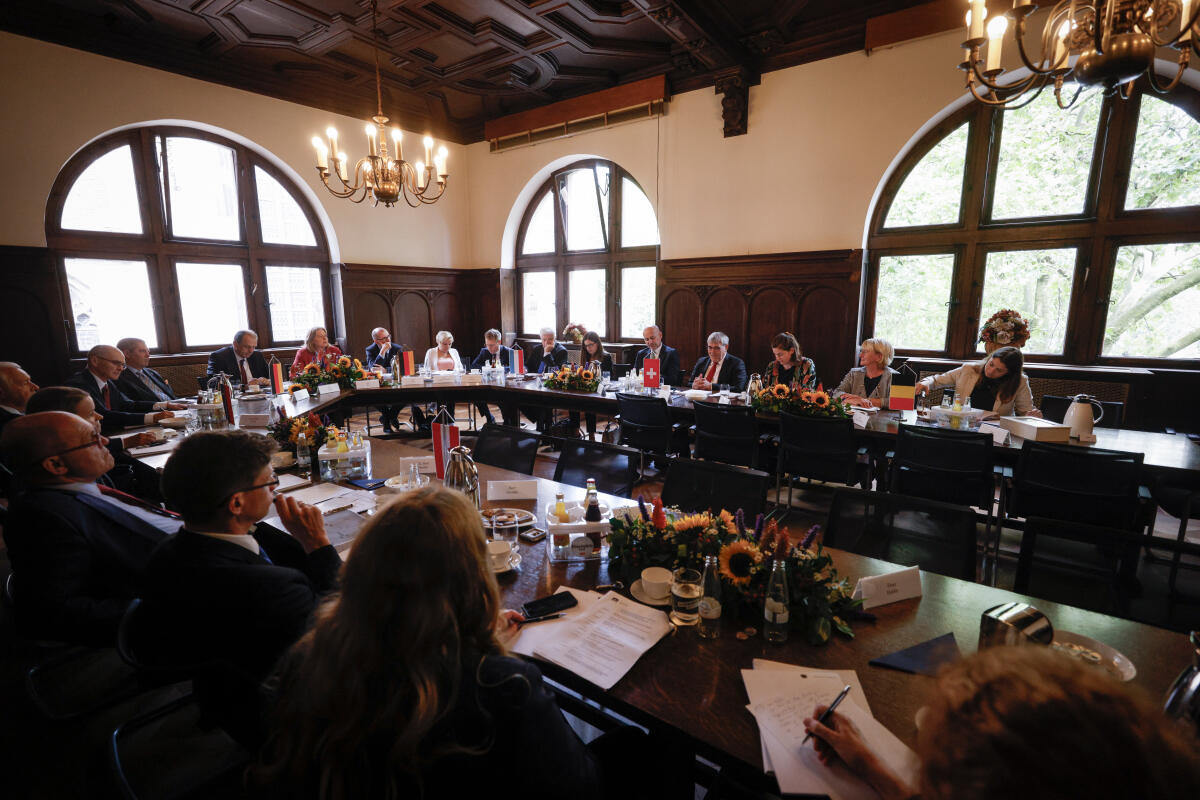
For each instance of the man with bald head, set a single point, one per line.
(137, 380)
(78, 550)
(240, 361)
(99, 379)
(15, 390)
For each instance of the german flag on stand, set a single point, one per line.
(408, 362)
(904, 390)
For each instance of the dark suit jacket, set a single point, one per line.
(733, 371)
(210, 600)
(557, 357)
(485, 357)
(669, 367)
(225, 360)
(77, 562)
(124, 412)
(6, 417)
(373, 356)
(136, 390)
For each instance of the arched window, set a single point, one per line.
(1086, 221)
(587, 252)
(181, 237)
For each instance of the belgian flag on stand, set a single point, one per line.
(904, 390)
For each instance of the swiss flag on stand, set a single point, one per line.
(651, 376)
(519, 360)
(445, 436)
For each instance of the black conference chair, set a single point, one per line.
(706, 485)
(1079, 484)
(726, 433)
(615, 468)
(647, 425)
(1075, 564)
(1054, 408)
(1182, 502)
(620, 370)
(937, 537)
(820, 449)
(509, 448)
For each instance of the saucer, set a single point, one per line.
(1090, 651)
(514, 561)
(401, 482)
(642, 597)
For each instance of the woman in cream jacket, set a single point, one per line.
(996, 383)
(443, 357)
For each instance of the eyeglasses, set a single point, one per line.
(271, 483)
(120, 364)
(95, 441)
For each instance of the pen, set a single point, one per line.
(824, 718)
(542, 618)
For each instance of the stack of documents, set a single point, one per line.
(782, 695)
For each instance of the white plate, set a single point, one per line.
(401, 482)
(640, 595)
(514, 561)
(1091, 651)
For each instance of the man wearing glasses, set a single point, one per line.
(99, 379)
(380, 353)
(78, 550)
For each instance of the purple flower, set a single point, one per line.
(740, 519)
(642, 508)
(809, 537)
(759, 521)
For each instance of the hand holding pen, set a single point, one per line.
(827, 713)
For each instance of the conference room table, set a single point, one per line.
(1164, 454)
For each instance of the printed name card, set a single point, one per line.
(999, 435)
(512, 490)
(861, 418)
(327, 388)
(368, 383)
(879, 590)
(254, 420)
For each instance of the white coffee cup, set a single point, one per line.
(499, 553)
(656, 582)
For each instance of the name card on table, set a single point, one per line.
(861, 418)
(369, 383)
(327, 388)
(512, 490)
(999, 435)
(254, 420)
(879, 590)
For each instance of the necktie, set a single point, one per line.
(245, 372)
(712, 372)
(148, 382)
(129, 499)
(106, 396)
(264, 555)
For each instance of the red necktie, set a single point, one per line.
(712, 372)
(129, 499)
(245, 372)
(107, 396)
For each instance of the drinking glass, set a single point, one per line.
(722, 388)
(685, 597)
(504, 528)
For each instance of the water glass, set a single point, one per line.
(685, 596)
(504, 528)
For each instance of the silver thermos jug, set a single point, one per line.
(1183, 698)
(462, 474)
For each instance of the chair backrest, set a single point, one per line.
(942, 464)
(1084, 484)
(575, 356)
(127, 635)
(614, 467)
(1076, 564)
(506, 447)
(816, 447)
(707, 485)
(1054, 408)
(726, 433)
(937, 537)
(644, 412)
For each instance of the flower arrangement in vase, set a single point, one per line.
(574, 331)
(803, 402)
(344, 372)
(286, 430)
(580, 379)
(1005, 328)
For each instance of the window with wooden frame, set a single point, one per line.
(587, 253)
(182, 238)
(1086, 221)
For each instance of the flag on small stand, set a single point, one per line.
(445, 436)
(276, 377)
(904, 390)
(408, 362)
(519, 363)
(651, 375)
(227, 400)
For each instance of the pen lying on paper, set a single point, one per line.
(824, 718)
(542, 618)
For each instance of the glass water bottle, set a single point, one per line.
(775, 608)
(710, 600)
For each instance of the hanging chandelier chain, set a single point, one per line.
(375, 46)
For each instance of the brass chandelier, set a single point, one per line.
(1116, 41)
(386, 180)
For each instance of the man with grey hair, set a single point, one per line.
(719, 368)
(380, 353)
(138, 381)
(16, 388)
(551, 356)
(241, 361)
(493, 352)
(98, 378)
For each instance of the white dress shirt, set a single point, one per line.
(148, 419)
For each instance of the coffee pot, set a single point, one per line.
(462, 474)
(1079, 417)
(1183, 698)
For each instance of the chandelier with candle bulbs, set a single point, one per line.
(384, 179)
(1116, 42)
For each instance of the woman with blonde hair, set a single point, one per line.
(317, 350)
(995, 384)
(870, 383)
(790, 366)
(404, 686)
(443, 357)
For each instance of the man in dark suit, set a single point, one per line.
(99, 379)
(551, 356)
(668, 357)
(240, 361)
(491, 352)
(227, 588)
(78, 550)
(380, 353)
(15, 390)
(718, 367)
(137, 380)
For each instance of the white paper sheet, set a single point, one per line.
(534, 636)
(152, 449)
(289, 482)
(318, 493)
(605, 642)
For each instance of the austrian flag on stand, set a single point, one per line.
(651, 374)
(445, 437)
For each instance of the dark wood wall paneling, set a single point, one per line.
(33, 321)
(814, 295)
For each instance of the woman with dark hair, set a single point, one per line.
(994, 384)
(790, 367)
(1033, 723)
(592, 350)
(404, 686)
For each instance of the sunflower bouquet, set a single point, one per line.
(577, 378)
(820, 600)
(286, 430)
(344, 372)
(794, 400)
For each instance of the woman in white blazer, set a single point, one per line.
(443, 357)
(996, 383)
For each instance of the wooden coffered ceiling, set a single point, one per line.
(450, 65)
